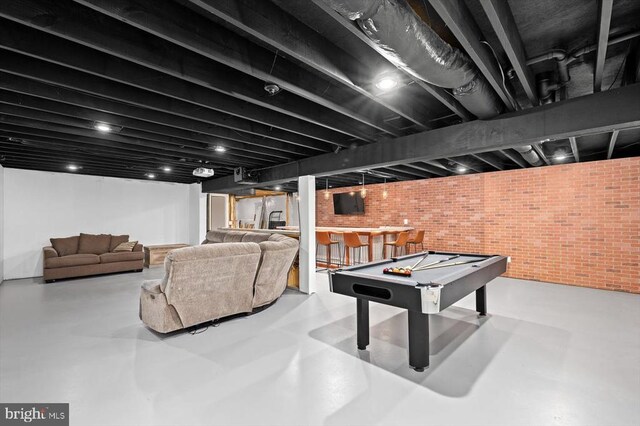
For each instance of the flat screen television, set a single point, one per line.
(345, 203)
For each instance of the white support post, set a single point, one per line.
(307, 206)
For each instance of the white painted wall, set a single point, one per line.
(1, 223)
(40, 205)
(219, 211)
(197, 214)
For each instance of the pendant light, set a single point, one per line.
(385, 194)
(363, 191)
(326, 189)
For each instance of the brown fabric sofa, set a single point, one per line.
(89, 254)
(231, 273)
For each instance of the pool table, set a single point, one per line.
(423, 293)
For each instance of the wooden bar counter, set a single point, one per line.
(369, 233)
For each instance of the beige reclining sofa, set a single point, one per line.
(232, 272)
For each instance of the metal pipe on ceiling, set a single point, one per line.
(409, 43)
(529, 155)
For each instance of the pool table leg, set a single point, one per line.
(481, 300)
(363, 323)
(418, 340)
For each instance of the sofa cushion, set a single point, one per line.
(216, 236)
(123, 256)
(116, 240)
(255, 237)
(65, 246)
(94, 244)
(233, 237)
(71, 260)
(128, 246)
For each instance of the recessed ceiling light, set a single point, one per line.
(151, 175)
(386, 83)
(73, 167)
(461, 169)
(219, 148)
(166, 169)
(103, 127)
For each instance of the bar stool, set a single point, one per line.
(352, 242)
(418, 239)
(323, 238)
(399, 243)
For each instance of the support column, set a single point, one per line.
(307, 208)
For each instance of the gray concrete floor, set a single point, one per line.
(546, 355)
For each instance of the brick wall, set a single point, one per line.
(575, 224)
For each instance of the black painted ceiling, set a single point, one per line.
(176, 81)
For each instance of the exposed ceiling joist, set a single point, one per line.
(464, 164)
(436, 163)
(19, 126)
(63, 159)
(504, 25)
(516, 158)
(87, 126)
(574, 148)
(130, 126)
(273, 26)
(191, 31)
(104, 107)
(437, 92)
(463, 25)
(427, 168)
(156, 54)
(400, 170)
(127, 77)
(485, 159)
(538, 149)
(612, 143)
(605, 8)
(618, 109)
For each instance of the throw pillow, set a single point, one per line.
(65, 246)
(128, 246)
(116, 240)
(94, 244)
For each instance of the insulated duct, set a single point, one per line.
(529, 155)
(411, 44)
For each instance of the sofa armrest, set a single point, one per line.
(138, 247)
(152, 286)
(49, 252)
